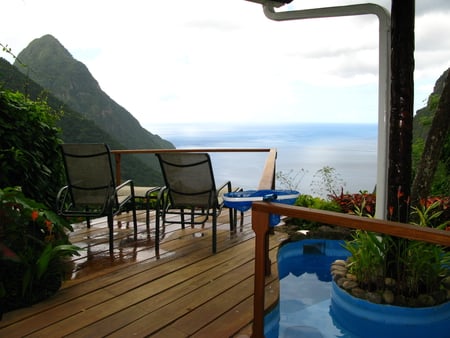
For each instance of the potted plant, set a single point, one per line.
(364, 289)
(33, 245)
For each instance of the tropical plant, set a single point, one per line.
(29, 147)
(420, 267)
(362, 203)
(33, 245)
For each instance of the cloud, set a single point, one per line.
(221, 60)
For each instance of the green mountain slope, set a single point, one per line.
(51, 66)
(75, 127)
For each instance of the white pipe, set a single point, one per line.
(384, 71)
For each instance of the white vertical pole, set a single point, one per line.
(384, 71)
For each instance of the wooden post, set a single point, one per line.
(117, 157)
(260, 225)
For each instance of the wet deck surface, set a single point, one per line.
(187, 291)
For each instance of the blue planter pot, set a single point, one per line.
(369, 320)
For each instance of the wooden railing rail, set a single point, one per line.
(265, 177)
(268, 176)
(260, 224)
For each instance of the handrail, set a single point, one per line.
(260, 225)
(269, 162)
(268, 176)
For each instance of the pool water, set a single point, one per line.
(305, 287)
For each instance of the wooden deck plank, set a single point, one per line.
(188, 291)
(87, 308)
(187, 282)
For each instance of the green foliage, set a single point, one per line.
(29, 153)
(309, 201)
(419, 266)
(422, 124)
(361, 204)
(433, 102)
(290, 180)
(433, 212)
(367, 261)
(33, 244)
(326, 182)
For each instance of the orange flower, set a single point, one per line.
(399, 192)
(34, 215)
(49, 225)
(391, 211)
(423, 202)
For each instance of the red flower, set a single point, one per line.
(49, 225)
(34, 215)
(399, 192)
(391, 211)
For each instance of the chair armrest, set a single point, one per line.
(124, 184)
(223, 186)
(61, 198)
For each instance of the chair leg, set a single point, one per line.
(158, 215)
(134, 221)
(111, 233)
(214, 232)
(147, 215)
(183, 225)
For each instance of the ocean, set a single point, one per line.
(303, 149)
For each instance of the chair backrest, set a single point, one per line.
(189, 178)
(89, 174)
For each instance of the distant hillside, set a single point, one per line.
(74, 127)
(87, 108)
(424, 116)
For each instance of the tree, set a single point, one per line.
(401, 117)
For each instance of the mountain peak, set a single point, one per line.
(49, 64)
(47, 47)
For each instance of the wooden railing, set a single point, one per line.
(260, 224)
(267, 180)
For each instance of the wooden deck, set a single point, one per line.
(187, 292)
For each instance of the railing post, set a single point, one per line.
(260, 225)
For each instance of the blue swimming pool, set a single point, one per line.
(311, 306)
(305, 288)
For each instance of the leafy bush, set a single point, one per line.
(33, 243)
(420, 267)
(29, 154)
(33, 239)
(309, 201)
(362, 203)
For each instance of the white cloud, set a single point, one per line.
(220, 59)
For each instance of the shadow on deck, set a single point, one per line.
(188, 291)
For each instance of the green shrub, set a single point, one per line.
(420, 267)
(33, 243)
(29, 153)
(309, 201)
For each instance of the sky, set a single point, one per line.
(224, 61)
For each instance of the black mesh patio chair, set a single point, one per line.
(190, 195)
(91, 190)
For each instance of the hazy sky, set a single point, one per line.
(221, 60)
